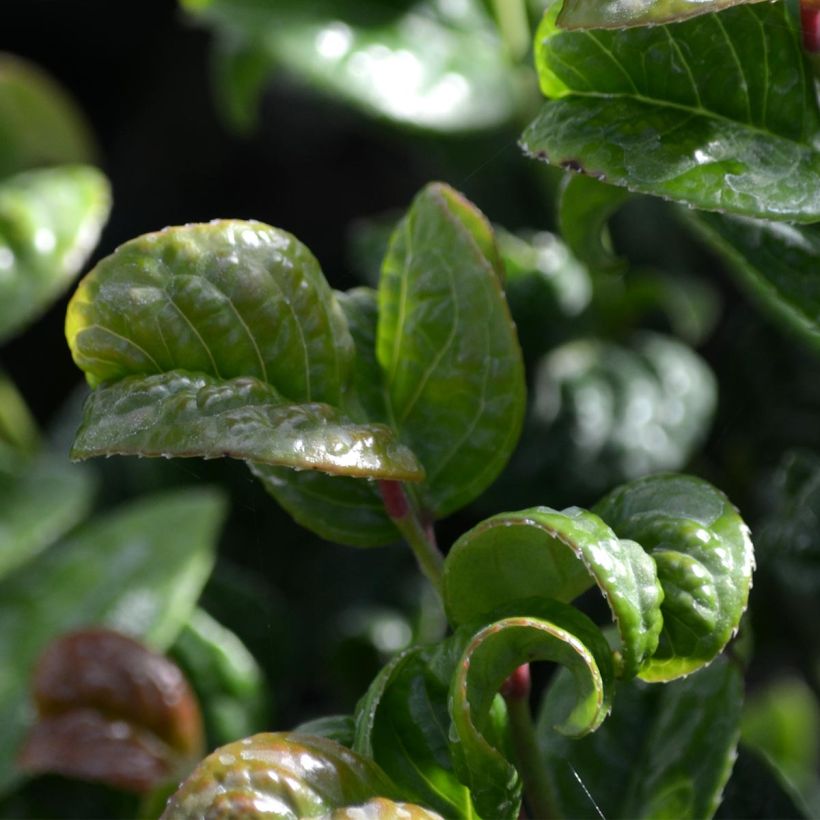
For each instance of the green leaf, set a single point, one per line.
(18, 429)
(704, 557)
(775, 263)
(557, 633)
(50, 221)
(402, 723)
(453, 369)
(718, 112)
(340, 728)
(584, 207)
(666, 752)
(603, 413)
(542, 553)
(283, 774)
(228, 298)
(228, 682)
(182, 414)
(39, 124)
(38, 505)
(616, 14)
(138, 570)
(421, 64)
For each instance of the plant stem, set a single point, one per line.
(513, 22)
(419, 536)
(537, 793)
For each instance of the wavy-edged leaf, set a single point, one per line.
(557, 633)
(617, 14)
(343, 510)
(183, 414)
(228, 298)
(138, 570)
(422, 64)
(717, 112)
(603, 413)
(225, 676)
(704, 557)
(665, 751)
(402, 723)
(281, 774)
(776, 263)
(38, 505)
(39, 124)
(452, 366)
(584, 207)
(542, 553)
(50, 221)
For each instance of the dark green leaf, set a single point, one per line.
(584, 206)
(240, 71)
(18, 429)
(228, 298)
(776, 263)
(39, 124)
(38, 505)
(558, 633)
(718, 112)
(665, 752)
(542, 553)
(281, 775)
(227, 680)
(704, 557)
(139, 570)
(183, 414)
(50, 221)
(340, 728)
(402, 723)
(423, 64)
(616, 14)
(452, 365)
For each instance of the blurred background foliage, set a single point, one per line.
(643, 356)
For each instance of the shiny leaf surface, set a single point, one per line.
(50, 221)
(704, 557)
(228, 299)
(665, 751)
(559, 634)
(39, 124)
(105, 701)
(422, 64)
(545, 554)
(278, 775)
(717, 112)
(620, 14)
(183, 414)
(138, 570)
(452, 365)
(776, 263)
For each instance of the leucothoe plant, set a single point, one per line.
(369, 415)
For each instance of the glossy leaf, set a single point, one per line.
(617, 14)
(775, 263)
(421, 64)
(39, 124)
(340, 728)
(560, 634)
(38, 505)
(183, 414)
(227, 298)
(584, 207)
(402, 723)
(281, 775)
(50, 221)
(139, 570)
(545, 554)
(226, 677)
(111, 710)
(704, 557)
(717, 112)
(452, 365)
(665, 752)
